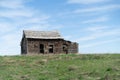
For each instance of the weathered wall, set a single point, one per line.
(34, 46)
(57, 45)
(73, 48)
(23, 46)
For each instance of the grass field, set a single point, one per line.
(61, 67)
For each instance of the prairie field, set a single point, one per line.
(60, 67)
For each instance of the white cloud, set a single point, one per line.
(40, 19)
(97, 34)
(96, 28)
(21, 16)
(86, 1)
(6, 27)
(16, 13)
(99, 43)
(10, 43)
(98, 8)
(88, 11)
(94, 10)
(99, 19)
(14, 4)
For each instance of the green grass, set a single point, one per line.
(61, 67)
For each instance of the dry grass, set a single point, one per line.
(60, 67)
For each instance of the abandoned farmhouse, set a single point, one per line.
(46, 42)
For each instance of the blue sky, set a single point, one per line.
(94, 24)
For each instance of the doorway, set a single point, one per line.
(50, 48)
(41, 48)
(65, 48)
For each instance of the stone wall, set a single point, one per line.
(24, 46)
(54, 45)
(50, 46)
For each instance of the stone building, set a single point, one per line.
(46, 42)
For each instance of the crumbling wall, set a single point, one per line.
(23, 46)
(73, 48)
(34, 46)
(50, 46)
